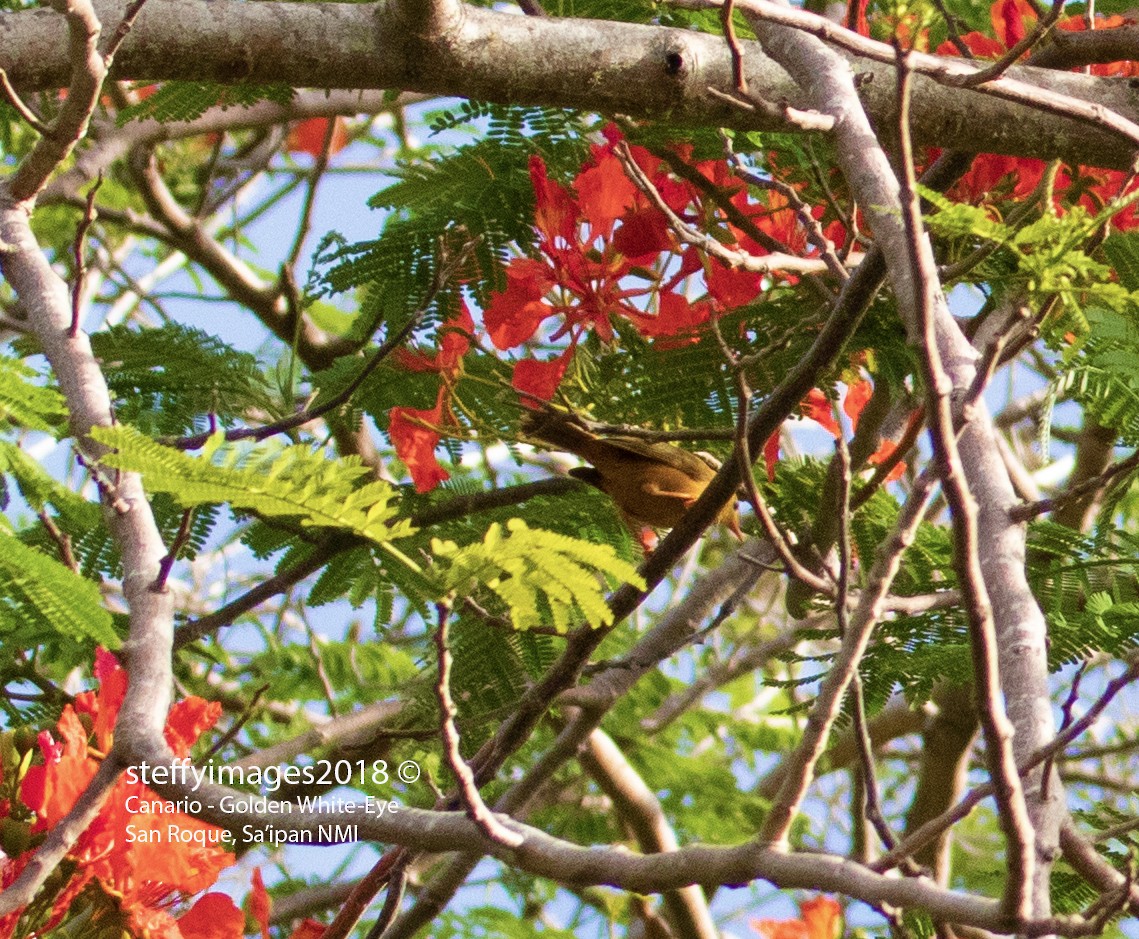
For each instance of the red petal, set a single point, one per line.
(676, 316)
(818, 408)
(643, 234)
(415, 444)
(781, 928)
(214, 916)
(308, 929)
(187, 721)
(604, 192)
(308, 136)
(555, 213)
(857, 394)
(259, 902)
(540, 379)
(771, 455)
(112, 690)
(514, 315)
(731, 288)
(823, 917)
(454, 342)
(1008, 18)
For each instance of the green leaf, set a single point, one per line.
(187, 100)
(291, 482)
(541, 576)
(37, 587)
(26, 404)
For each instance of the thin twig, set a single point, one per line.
(810, 224)
(802, 761)
(1042, 28)
(1030, 510)
(364, 892)
(951, 30)
(781, 112)
(79, 254)
(21, 107)
(904, 445)
(314, 177)
(235, 727)
(321, 670)
(1065, 722)
(396, 884)
(738, 79)
(739, 260)
(62, 540)
(176, 546)
(914, 841)
(944, 71)
(743, 451)
(121, 31)
(477, 810)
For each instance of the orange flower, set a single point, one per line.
(127, 849)
(412, 430)
(820, 918)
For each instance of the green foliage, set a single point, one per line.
(166, 380)
(1101, 375)
(40, 489)
(1088, 588)
(539, 575)
(293, 483)
(40, 597)
(188, 100)
(479, 190)
(25, 403)
(1047, 253)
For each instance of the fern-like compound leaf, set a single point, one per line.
(544, 578)
(291, 482)
(39, 589)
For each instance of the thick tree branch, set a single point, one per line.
(44, 297)
(641, 71)
(1020, 626)
(641, 809)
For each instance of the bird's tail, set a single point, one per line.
(561, 431)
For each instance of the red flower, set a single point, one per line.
(308, 136)
(513, 316)
(818, 408)
(126, 850)
(308, 929)
(413, 431)
(259, 902)
(454, 342)
(214, 916)
(415, 438)
(1012, 20)
(821, 918)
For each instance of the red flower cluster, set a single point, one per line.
(607, 251)
(1019, 176)
(145, 877)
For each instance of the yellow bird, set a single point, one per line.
(652, 484)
